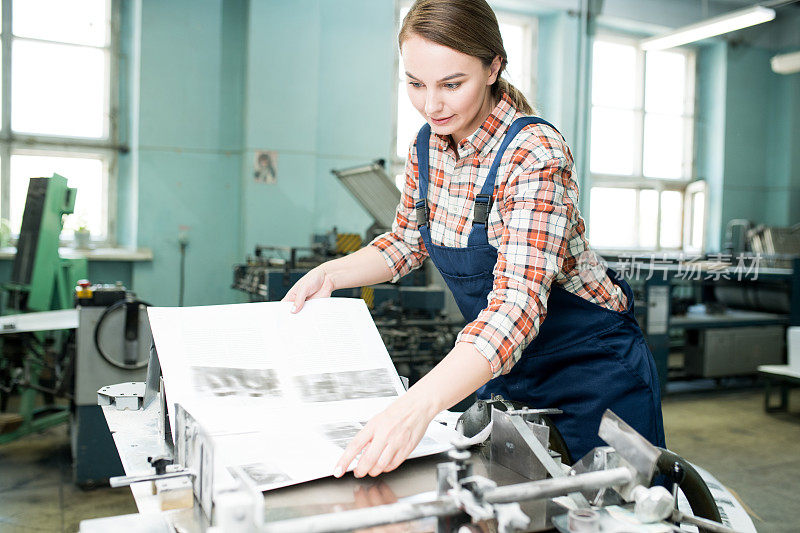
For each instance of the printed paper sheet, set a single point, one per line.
(281, 393)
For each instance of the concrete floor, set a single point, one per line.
(754, 454)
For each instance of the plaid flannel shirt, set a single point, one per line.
(534, 224)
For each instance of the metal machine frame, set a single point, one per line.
(608, 483)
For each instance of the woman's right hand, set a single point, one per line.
(315, 284)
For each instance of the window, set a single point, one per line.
(56, 108)
(641, 155)
(518, 39)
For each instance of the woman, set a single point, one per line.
(490, 198)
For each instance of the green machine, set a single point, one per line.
(38, 362)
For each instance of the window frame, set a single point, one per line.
(530, 59)
(105, 148)
(637, 180)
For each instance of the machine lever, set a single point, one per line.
(702, 523)
(124, 481)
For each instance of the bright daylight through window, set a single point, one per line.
(641, 157)
(56, 107)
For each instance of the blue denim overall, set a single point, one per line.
(585, 358)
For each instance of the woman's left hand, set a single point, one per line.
(388, 439)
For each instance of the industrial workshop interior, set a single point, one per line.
(448, 266)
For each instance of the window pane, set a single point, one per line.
(665, 82)
(671, 215)
(663, 146)
(58, 89)
(75, 21)
(614, 75)
(698, 214)
(514, 43)
(648, 218)
(612, 142)
(611, 213)
(409, 121)
(85, 174)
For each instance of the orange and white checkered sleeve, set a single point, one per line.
(538, 217)
(402, 248)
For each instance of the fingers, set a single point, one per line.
(361, 497)
(385, 492)
(401, 455)
(313, 285)
(289, 296)
(356, 445)
(379, 494)
(386, 441)
(300, 297)
(370, 456)
(387, 454)
(299, 293)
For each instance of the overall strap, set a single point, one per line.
(421, 207)
(484, 199)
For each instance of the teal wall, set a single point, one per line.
(785, 153)
(319, 92)
(710, 144)
(184, 103)
(748, 130)
(557, 65)
(205, 84)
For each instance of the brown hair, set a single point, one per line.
(469, 27)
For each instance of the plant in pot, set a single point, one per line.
(83, 237)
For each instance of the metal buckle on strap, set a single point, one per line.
(422, 213)
(483, 205)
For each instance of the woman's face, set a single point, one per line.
(451, 90)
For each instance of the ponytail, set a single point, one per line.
(515, 95)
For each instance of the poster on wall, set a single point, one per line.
(265, 166)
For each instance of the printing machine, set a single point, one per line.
(109, 340)
(515, 480)
(57, 346)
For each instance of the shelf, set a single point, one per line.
(94, 254)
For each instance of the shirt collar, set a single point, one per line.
(489, 133)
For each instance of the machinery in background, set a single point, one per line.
(777, 244)
(719, 315)
(109, 339)
(62, 338)
(41, 279)
(34, 361)
(412, 315)
(112, 344)
(775, 296)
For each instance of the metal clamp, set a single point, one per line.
(422, 212)
(128, 395)
(483, 205)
